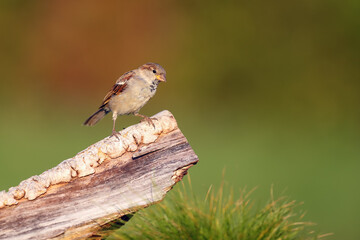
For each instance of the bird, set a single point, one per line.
(129, 94)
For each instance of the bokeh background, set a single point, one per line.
(268, 90)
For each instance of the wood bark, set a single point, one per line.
(113, 177)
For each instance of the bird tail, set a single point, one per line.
(93, 119)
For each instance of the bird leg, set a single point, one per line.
(114, 132)
(146, 118)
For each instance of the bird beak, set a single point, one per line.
(161, 77)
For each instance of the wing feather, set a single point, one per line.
(118, 88)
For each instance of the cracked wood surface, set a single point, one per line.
(114, 177)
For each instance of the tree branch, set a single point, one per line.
(109, 179)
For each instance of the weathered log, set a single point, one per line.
(109, 179)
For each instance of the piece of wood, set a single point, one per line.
(107, 180)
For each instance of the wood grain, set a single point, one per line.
(74, 210)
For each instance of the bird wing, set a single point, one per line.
(118, 88)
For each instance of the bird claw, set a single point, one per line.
(115, 134)
(149, 121)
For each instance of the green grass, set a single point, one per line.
(218, 215)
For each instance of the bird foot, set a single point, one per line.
(115, 134)
(149, 121)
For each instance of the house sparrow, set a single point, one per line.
(130, 93)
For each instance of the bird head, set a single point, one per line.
(154, 71)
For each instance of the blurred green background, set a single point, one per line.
(268, 90)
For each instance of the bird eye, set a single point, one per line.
(154, 71)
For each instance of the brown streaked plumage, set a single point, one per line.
(119, 86)
(130, 93)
